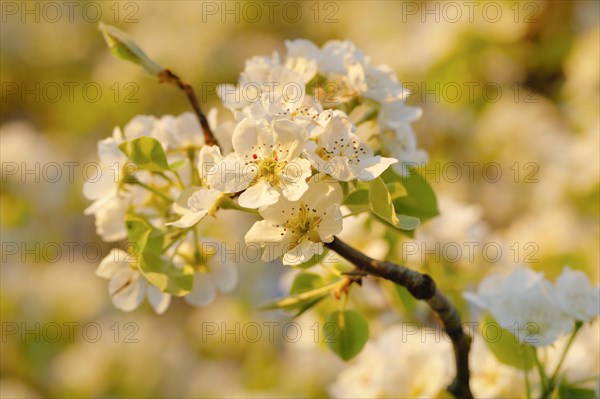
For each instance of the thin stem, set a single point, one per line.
(551, 383)
(152, 190)
(356, 212)
(526, 375)
(179, 180)
(176, 237)
(421, 286)
(227, 202)
(578, 325)
(169, 77)
(542, 372)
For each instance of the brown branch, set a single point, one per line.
(169, 77)
(422, 287)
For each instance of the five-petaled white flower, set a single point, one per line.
(297, 230)
(266, 163)
(337, 151)
(127, 287)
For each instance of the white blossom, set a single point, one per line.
(297, 230)
(183, 131)
(111, 199)
(523, 302)
(400, 363)
(337, 151)
(127, 287)
(266, 163)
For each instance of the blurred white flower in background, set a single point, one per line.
(534, 309)
(402, 361)
(575, 295)
(489, 377)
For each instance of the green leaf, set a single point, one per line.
(147, 153)
(566, 391)
(346, 333)
(382, 206)
(123, 47)
(149, 244)
(305, 282)
(381, 201)
(406, 222)
(178, 164)
(396, 190)
(298, 301)
(357, 197)
(505, 346)
(420, 201)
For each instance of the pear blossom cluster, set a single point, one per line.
(536, 311)
(290, 152)
(121, 188)
(338, 77)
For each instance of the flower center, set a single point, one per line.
(304, 224)
(351, 149)
(270, 169)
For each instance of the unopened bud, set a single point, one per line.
(123, 47)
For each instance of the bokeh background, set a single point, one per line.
(514, 85)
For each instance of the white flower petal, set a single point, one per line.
(258, 195)
(159, 300)
(188, 220)
(294, 183)
(126, 289)
(112, 263)
(373, 167)
(231, 175)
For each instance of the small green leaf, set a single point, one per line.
(123, 47)
(149, 249)
(298, 301)
(396, 190)
(406, 222)
(305, 282)
(178, 164)
(346, 333)
(566, 391)
(147, 153)
(420, 201)
(381, 201)
(382, 206)
(357, 197)
(505, 346)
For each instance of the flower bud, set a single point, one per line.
(123, 47)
